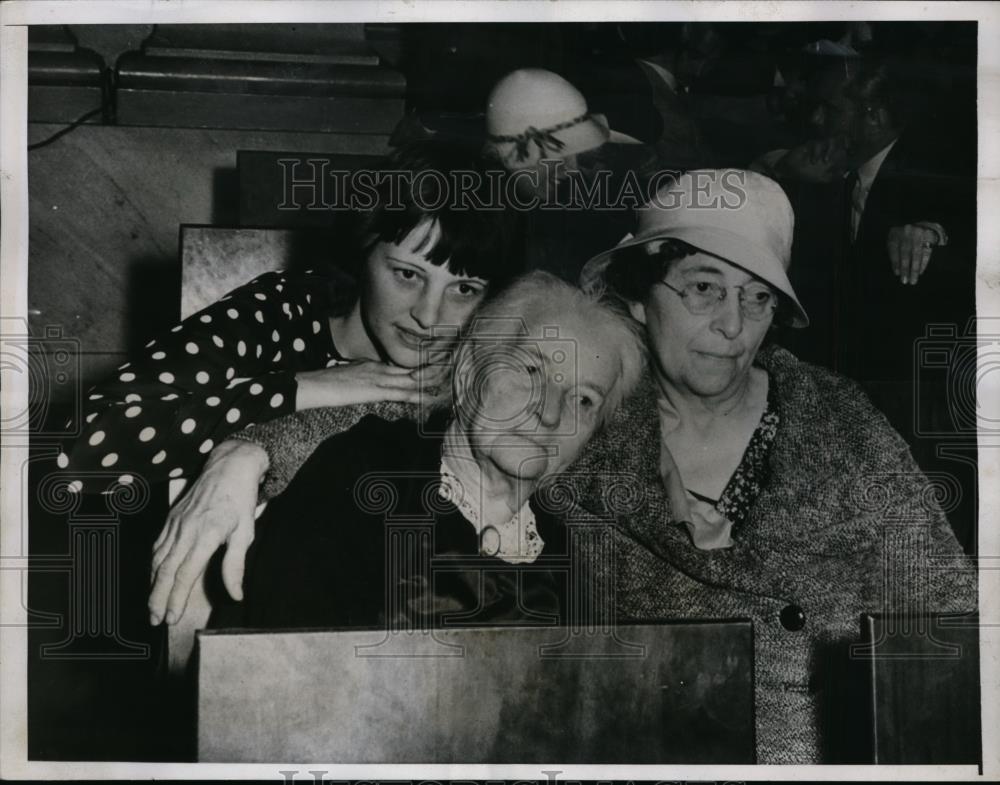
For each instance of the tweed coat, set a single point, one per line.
(846, 523)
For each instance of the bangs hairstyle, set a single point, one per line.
(634, 271)
(539, 300)
(447, 182)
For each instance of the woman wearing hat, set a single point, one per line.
(761, 487)
(578, 179)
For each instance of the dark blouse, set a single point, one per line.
(220, 370)
(362, 538)
(751, 475)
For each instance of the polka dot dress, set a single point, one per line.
(219, 371)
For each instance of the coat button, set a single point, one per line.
(793, 618)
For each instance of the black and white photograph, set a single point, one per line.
(533, 390)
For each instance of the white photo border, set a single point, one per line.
(15, 15)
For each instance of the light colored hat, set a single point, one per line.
(534, 114)
(737, 215)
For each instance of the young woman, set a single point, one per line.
(284, 343)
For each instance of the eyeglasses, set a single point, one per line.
(757, 300)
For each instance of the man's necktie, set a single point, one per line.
(850, 208)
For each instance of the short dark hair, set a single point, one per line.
(473, 242)
(884, 83)
(634, 271)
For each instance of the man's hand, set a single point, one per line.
(910, 249)
(818, 161)
(217, 510)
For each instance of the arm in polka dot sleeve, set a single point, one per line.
(289, 441)
(230, 365)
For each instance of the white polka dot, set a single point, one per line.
(160, 457)
(260, 296)
(260, 351)
(92, 417)
(123, 366)
(62, 461)
(166, 377)
(316, 328)
(241, 348)
(95, 396)
(298, 345)
(227, 297)
(276, 400)
(232, 415)
(127, 377)
(232, 313)
(132, 398)
(146, 434)
(205, 318)
(110, 459)
(287, 309)
(191, 347)
(188, 425)
(259, 316)
(177, 329)
(201, 377)
(300, 310)
(277, 356)
(133, 411)
(230, 373)
(159, 355)
(151, 343)
(176, 472)
(309, 298)
(205, 446)
(126, 479)
(275, 336)
(217, 341)
(279, 288)
(213, 400)
(169, 397)
(333, 362)
(95, 438)
(256, 389)
(75, 487)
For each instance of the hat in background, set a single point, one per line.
(737, 215)
(534, 114)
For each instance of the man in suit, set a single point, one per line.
(900, 256)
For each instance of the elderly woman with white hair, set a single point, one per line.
(543, 366)
(761, 487)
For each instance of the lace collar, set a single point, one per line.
(515, 541)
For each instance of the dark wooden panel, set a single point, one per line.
(340, 114)
(206, 73)
(684, 695)
(924, 680)
(267, 197)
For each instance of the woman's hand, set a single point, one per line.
(370, 381)
(217, 510)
